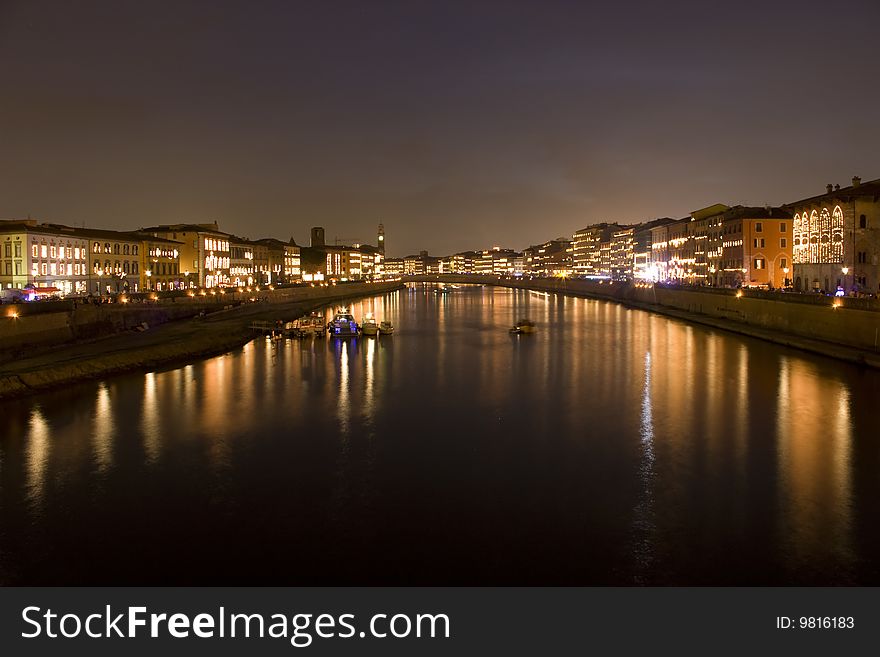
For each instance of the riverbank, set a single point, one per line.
(845, 329)
(172, 343)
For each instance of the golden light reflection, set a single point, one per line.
(103, 430)
(151, 423)
(342, 404)
(814, 450)
(369, 379)
(37, 454)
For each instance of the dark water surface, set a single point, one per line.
(614, 446)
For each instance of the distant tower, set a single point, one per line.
(317, 236)
(381, 241)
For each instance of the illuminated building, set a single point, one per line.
(393, 267)
(46, 257)
(551, 258)
(292, 262)
(756, 247)
(204, 252)
(642, 268)
(463, 263)
(241, 262)
(836, 241)
(160, 264)
(587, 256)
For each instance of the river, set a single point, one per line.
(614, 446)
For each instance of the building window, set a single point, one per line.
(116, 249)
(783, 243)
(783, 262)
(125, 249)
(863, 221)
(8, 250)
(759, 263)
(782, 227)
(134, 250)
(759, 227)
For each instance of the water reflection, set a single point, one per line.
(613, 446)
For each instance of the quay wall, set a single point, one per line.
(850, 322)
(27, 326)
(33, 370)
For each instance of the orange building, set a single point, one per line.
(756, 248)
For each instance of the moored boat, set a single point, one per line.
(343, 325)
(369, 325)
(386, 327)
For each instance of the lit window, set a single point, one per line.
(759, 263)
(759, 227)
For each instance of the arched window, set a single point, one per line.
(814, 237)
(125, 266)
(125, 249)
(134, 249)
(837, 234)
(106, 247)
(825, 236)
(116, 249)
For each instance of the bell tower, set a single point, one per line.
(380, 241)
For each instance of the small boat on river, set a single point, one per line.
(386, 327)
(524, 327)
(369, 326)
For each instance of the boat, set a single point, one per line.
(386, 327)
(369, 325)
(343, 325)
(310, 326)
(523, 327)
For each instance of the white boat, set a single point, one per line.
(386, 327)
(343, 325)
(369, 325)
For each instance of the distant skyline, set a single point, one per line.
(458, 125)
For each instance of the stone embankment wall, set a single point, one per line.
(24, 326)
(26, 370)
(849, 322)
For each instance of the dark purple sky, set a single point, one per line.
(458, 124)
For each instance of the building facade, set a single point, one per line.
(836, 239)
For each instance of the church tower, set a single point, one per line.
(380, 242)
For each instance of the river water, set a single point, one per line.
(614, 446)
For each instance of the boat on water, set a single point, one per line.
(343, 325)
(369, 326)
(386, 327)
(311, 326)
(523, 327)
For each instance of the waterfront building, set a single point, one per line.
(269, 260)
(43, 256)
(756, 247)
(160, 264)
(587, 257)
(836, 239)
(621, 254)
(392, 267)
(552, 258)
(241, 262)
(463, 263)
(204, 252)
(414, 264)
(292, 271)
(642, 269)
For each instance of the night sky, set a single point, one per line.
(458, 124)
